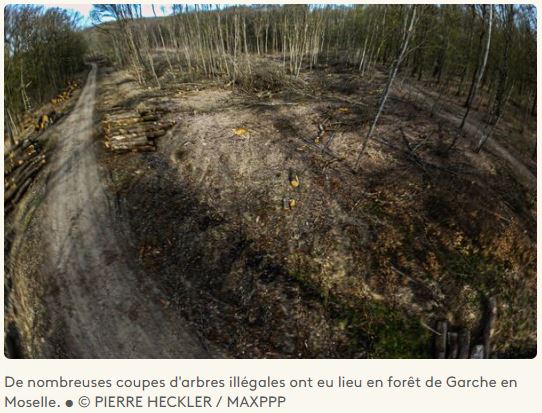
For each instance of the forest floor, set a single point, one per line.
(363, 265)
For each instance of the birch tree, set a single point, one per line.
(481, 69)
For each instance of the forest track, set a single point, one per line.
(106, 307)
(453, 114)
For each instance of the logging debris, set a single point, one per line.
(66, 94)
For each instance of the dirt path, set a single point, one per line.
(107, 308)
(474, 130)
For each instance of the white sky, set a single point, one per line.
(84, 10)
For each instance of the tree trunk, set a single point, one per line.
(409, 27)
(481, 70)
(488, 133)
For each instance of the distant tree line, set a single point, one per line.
(447, 47)
(42, 50)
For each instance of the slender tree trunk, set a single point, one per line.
(481, 70)
(489, 132)
(409, 27)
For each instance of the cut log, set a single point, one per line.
(138, 129)
(121, 121)
(156, 109)
(10, 204)
(19, 148)
(13, 164)
(121, 116)
(17, 156)
(156, 134)
(14, 194)
(464, 343)
(16, 176)
(137, 148)
(134, 138)
(440, 339)
(149, 118)
(145, 148)
(128, 145)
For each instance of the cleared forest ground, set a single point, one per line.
(364, 264)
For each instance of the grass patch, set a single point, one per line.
(376, 328)
(479, 272)
(390, 332)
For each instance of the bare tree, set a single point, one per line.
(481, 69)
(410, 20)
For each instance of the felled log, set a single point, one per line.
(123, 130)
(18, 148)
(129, 137)
(10, 204)
(138, 128)
(139, 148)
(155, 109)
(149, 118)
(137, 132)
(120, 123)
(440, 339)
(16, 192)
(19, 160)
(156, 134)
(135, 125)
(127, 146)
(146, 148)
(19, 173)
(121, 116)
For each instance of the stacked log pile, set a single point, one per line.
(21, 165)
(135, 130)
